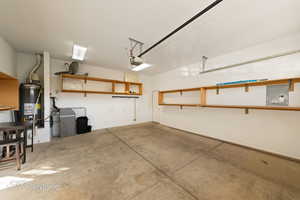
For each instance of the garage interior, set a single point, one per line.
(104, 100)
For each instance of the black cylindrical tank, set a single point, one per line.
(30, 103)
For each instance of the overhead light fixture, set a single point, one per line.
(141, 67)
(79, 52)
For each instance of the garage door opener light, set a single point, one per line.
(79, 52)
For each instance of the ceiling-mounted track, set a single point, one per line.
(182, 26)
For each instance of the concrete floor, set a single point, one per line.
(151, 162)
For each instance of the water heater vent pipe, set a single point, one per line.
(35, 68)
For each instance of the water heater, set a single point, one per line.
(31, 103)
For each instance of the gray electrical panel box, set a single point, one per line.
(278, 95)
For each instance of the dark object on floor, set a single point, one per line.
(82, 125)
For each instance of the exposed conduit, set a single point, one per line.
(251, 61)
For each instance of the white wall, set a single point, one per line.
(8, 66)
(7, 58)
(273, 131)
(103, 110)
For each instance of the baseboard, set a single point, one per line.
(236, 144)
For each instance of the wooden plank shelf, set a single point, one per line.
(181, 90)
(4, 76)
(113, 86)
(258, 83)
(203, 97)
(187, 105)
(82, 77)
(97, 92)
(287, 108)
(5, 108)
(9, 92)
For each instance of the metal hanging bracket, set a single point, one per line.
(85, 77)
(204, 60)
(246, 88)
(133, 44)
(291, 86)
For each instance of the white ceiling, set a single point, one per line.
(104, 27)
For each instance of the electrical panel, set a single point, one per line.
(278, 95)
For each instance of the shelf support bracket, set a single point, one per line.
(180, 92)
(85, 77)
(113, 87)
(291, 86)
(246, 111)
(181, 107)
(246, 88)
(218, 91)
(127, 88)
(202, 96)
(160, 98)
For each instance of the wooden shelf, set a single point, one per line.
(254, 107)
(113, 82)
(6, 77)
(237, 107)
(5, 108)
(203, 97)
(187, 105)
(82, 77)
(9, 92)
(258, 83)
(97, 92)
(181, 90)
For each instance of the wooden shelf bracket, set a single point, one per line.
(203, 96)
(291, 85)
(246, 88)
